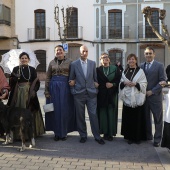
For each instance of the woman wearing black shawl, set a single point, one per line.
(108, 78)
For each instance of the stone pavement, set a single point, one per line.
(70, 154)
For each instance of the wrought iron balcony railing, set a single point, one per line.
(72, 32)
(38, 34)
(115, 32)
(145, 31)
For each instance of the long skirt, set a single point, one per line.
(166, 130)
(63, 119)
(22, 97)
(133, 123)
(108, 117)
(166, 136)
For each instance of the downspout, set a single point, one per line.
(137, 32)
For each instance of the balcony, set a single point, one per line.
(115, 32)
(72, 33)
(145, 32)
(38, 34)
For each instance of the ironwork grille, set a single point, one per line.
(40, 31)
(72, 21)
(115, 23)
(155, 21)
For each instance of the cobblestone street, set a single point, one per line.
(70, 154)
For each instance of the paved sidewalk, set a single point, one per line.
(70, 154)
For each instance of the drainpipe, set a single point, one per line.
(137, 32)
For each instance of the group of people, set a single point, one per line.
(73, 86)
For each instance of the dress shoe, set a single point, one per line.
(149, 138)
(83, 139)
(64, 138)
(110, 138)
(100, 141)
(105, 137)
(155, 144)
(137, 142)
(56, 138)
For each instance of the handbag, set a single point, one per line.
(48, 107)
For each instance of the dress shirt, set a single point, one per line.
(84, 66)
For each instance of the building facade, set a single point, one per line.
(114, 26)
(8, 37)
(122, 29)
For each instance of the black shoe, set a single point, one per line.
(130, 142)
(137, 142)
(56, 138)
(100, 141)
(155, 144)
(83, 139)
(64, 138)
(149, 138)
(105, 137)
(110, 138)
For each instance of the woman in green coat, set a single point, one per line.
(107, 107)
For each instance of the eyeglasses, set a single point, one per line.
(104, 57)
(148, 53)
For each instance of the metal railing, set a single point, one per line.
(145, 31)
(38, 34)
(115, 32)
(72, 32)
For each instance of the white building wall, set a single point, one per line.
(25, 20)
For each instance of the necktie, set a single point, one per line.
(147, 66)
(84, 67)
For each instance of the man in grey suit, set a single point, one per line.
(155, 74)
(83, 83)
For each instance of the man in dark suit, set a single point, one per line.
(155, 74)
(83, 82)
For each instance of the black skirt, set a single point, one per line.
(133, 123)
(166, 136)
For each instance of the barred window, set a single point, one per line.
(115, 55)
(72, 21)
(155, 22)
(40, 31)
(115, 23)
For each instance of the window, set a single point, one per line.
(115, 23)
(41, 56)
(154, 21)
(115, 55)
(5, 15)
(72, 20)
(40, 31)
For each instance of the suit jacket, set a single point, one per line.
(154, 75)
(83, 83)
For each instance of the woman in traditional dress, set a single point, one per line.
(107, 106)
(57, 91)
(133, 92)
(166, 130)
(24, 85)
